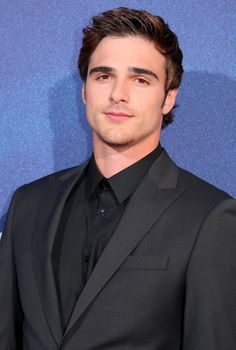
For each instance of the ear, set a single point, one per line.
(169, 101)
(83, 94)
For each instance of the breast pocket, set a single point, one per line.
(146, 262)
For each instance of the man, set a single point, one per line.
(127, 251)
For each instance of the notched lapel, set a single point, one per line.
(156, 192)
(45, 229)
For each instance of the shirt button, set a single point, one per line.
(86, 259)
(103, 212)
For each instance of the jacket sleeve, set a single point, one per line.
(10, 311)
(210, 303)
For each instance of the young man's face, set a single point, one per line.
(125, 92)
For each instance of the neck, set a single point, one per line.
(111, 159)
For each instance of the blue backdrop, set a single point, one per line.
(43, 123)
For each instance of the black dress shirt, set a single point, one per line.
(91, 213)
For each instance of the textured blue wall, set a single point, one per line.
(43, 124)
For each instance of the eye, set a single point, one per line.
(103, 77)
(141, 81)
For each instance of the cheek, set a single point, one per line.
(95, 102)
(149, 104)
(151, 96)
(95, 92)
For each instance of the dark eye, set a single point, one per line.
(103, 77)
(142, 81)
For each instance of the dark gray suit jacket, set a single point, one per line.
(165, 281)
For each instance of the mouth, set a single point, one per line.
(118, 116)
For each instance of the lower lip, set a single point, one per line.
(117, 117)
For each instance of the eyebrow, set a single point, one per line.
(103, 69)
(145, 71)
(137, 70)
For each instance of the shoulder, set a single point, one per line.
(201, 192)
(198, 185)
(215, 211)
(197, 194)
(49, 183)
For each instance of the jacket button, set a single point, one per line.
(103, 212)
(86, 259)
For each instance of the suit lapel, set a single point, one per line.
(45, 229)
(156, 192)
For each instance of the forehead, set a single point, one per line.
(127, 51)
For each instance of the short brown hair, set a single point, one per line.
(123, 22)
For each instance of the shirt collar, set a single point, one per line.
(124, 183)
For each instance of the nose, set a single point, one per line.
(119, 91)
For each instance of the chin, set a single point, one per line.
(117, 142)
(114, 137)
